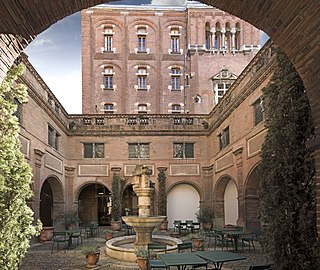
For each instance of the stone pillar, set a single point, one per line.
(223, 32)
(38, 162)
(213, 38)
(233, 38)
(208, 184)
(69, 188)
(239, 166)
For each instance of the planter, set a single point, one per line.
(142, 263)
(116, 225)
(206, 226)
(92, 259)
(46, 234)
(108, 236)
(198, 243)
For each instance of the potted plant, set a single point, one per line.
(162, 201)
(108, 234)
(116, 201)
(205, 216)
(70, 219)
(197, 241)
(92, 254)
(142, 257)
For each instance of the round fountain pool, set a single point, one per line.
(122, 248)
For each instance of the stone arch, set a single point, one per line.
(225, 197)
(252, 199)
(295, 33)
(189, 195)
(52, 203)
(93, 201)
(129, 201)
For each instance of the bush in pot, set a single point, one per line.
(205, 216)
(92, 253)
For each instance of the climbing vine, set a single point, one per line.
(288, 173)
(16, 218)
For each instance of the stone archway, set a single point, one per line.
(226, 205)
(252, 201)
(51, 201)
(292, 24)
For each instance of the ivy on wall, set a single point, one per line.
(16, 218)
(288, 198)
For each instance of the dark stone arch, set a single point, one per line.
(252, 200)
(51, 201)
(291, 24)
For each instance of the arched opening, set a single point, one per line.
(183, 203)
(208, 36)
(129, 202)
(94, 204)
(252, 201)
(51, 201)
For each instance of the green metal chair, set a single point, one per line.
(260, 267)
(59, 237)
(153, 261)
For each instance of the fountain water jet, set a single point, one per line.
(143, 224)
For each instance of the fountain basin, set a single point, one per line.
(122, 248)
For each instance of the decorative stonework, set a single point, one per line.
(93, 170)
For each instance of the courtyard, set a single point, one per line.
(39, 257)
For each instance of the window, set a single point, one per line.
(108, 78)
(18, 111)
(258, 111)
(142, 78)
(142, 108)
(183, 150)
(175, 46)
(142, 47)
(224, 138)
(176, 108)
(53, 137)
(108, 107)
(108, 43)
(138, 150)
(108, 39)
(175, 79)
(93, 150)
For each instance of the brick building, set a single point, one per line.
(174, 60)
(207, 159)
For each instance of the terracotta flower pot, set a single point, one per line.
(116, 225)
(142, 263)
(46, 234)
(197, 243)
(92, 259)
(108, 236)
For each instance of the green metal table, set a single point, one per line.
(181, 260)
(218, 258)
(235, 236)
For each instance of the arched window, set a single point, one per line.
(217, 42)
(228, 37)
(208, 36)
(237, 36)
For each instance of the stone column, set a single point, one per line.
(38, 162)
(208, 184)
(213, 38)
(223, 32)
(69, 188)
(239, 166)
(233, 46)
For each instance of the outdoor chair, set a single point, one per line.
(153, 261)
(222, 240)
(59, 237)
(176, 225)
(208, 236)
(250, 239)
(77, 235)
(260, 267)
(187, 247)
(189, 224)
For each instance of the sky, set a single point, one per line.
(56, 55)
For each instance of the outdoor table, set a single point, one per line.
(182, 260)
(235, 236)
(218, 257)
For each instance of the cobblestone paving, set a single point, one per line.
(39, 257)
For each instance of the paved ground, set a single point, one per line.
(39, 257)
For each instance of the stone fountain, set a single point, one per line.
(122, 248)
(144, 223)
